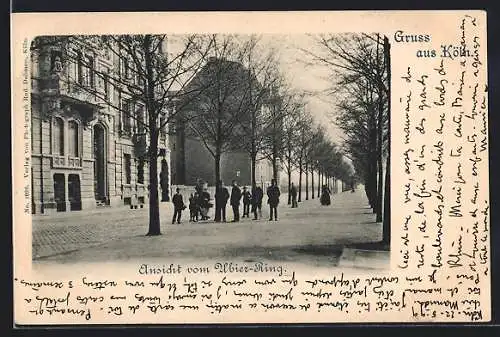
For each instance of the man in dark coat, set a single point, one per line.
(235, 201)
(273, 195)
(178, 207)
(247, 197)
(221, 197)
(293, 193)
(257, 195)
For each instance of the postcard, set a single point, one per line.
(250, 167)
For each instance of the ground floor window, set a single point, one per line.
(127, 163)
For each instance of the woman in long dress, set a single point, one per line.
(325, 196)
(205, 204)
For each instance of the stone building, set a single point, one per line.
(86, 152)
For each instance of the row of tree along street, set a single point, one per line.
(359, 65)
(228, 92)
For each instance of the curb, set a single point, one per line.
(365, 259)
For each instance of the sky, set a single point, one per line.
(297, 68)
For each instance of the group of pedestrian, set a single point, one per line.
(199, 202)
(250, 198)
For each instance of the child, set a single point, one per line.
(247, 198)
(193, 207)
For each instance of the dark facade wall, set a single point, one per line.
(236, 166)
(199, 163)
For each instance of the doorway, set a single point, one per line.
(74, 192)
(99, 163)
(59, 192)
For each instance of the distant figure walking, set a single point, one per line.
(293, 193)
(273, 195)
(325, 196)
(178, 206)
(247, 197)
(221, 198)
(235, 201)
(257, 195)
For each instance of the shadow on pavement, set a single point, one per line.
(318, 255)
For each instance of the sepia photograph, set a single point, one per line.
(201, 168)
(259, 148)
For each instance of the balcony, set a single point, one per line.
(66, 162)
(58, 95)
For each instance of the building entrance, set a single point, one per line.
(60, 192)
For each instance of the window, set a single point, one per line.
(73, 143)
(140, 171)
(140, 119)
(125, 68)
(127, 108)
(105, 84)
(79, 68)
(107, 53)
(140, 80)
(88, 72)
(127, 166)
(58, 137)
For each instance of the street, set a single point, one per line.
(311, 234)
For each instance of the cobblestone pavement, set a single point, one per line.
(312, 234)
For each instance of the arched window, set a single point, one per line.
(59, 136)
(73, 139)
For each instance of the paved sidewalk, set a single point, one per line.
(310, 234)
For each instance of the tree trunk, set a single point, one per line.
(300, 181)
(217, 164)
(253, 159)
(320, 182)
(289, 168)
(275, 167)
(380, 133)
(380, 190)
(154, 205)
(289, 185)
(312, 184)
(307, 181)
(386, 227)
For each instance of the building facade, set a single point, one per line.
(86, 152)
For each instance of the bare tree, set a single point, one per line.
(217, 115)
(264, 116)
(291, 136)
(304, 130)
